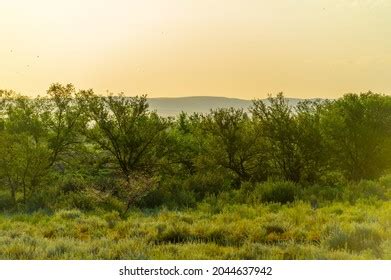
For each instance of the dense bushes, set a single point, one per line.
(74, 149)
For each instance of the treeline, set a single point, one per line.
(75, 149)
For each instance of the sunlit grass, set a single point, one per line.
(240, 231)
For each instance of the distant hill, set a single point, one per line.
(166, 106)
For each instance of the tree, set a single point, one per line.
(235, 143)
(310, 139)
(278, 126)
(357, 130)
(64, 119)
(133, 136)
(24, 154)
(184, 145)
(35, 133)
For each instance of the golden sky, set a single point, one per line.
(233, 48)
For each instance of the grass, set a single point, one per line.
(240, 231)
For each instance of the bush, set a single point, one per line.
(278, 192)
(72, 183)
(69, 214)
(365, 237)
(210, 182)
(173, 233)
(172, 193)
(89, 199)
(112, 218)
(363, 190)
(332, 179)
(246, 193)
(385, 181)
(361, 237)
(186, 192)
(6, 203)
(321, 193)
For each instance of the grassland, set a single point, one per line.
(210, 231)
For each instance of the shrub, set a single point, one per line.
(6, 203)
(385, 181)
(337, 240)
(365, 237)
(210, 182)
(173, 193)
(363, 190)
(246, 193)
(361, 237)
(321, 193)
(279, 192)
(89, 199)
(112, 218)
(173, 233)
(72, 183)
(332, 179)
(69, 214)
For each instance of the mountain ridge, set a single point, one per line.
(173, 106)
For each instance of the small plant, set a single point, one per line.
(69, 214)
(112, 218)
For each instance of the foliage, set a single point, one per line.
(133, 136)
(89, 176)
(357, 130)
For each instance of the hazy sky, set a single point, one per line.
(234, 48)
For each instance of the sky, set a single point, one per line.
(168, 48)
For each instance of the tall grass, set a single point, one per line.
(235, 231)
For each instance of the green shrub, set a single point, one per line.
(41, 200)
(89, 199)
(245, 194)
(278, 192)
(69, 214)
(6, 203)
(321, 193)
(363, 190)
(112, 218)
(361, 237)
(173, 233)
(111, 203)
(176, 193)
(172, 193)
(274, 228)
(209, 182)
(338, 240)
(365, 237)
(385, 181)
(332, 179)
(72, 183)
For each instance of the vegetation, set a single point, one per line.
(210, 231)
(87, 176)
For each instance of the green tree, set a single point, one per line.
(64, 120)
(357, 130)
(310, 140)
(278, 126)
(35, 133)
(24, 154)
(132, 135)
(234, 143)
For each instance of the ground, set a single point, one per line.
(242, 231)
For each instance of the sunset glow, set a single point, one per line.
(170, 48)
